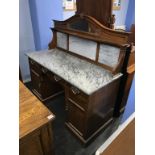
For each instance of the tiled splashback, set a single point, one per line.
(83, 47)
(108, 55)
(62, 40)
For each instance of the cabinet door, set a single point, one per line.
(76, 117)
(31, 147)
(39, 142)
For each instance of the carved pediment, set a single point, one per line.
(88, 27)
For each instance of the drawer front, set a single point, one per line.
(35, 66)
(76, 118)
(49, 86)
(56, 78)
(36, 82)
(43, 85)
(79, 97)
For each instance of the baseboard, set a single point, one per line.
(91, 137)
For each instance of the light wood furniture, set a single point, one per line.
(35, 133)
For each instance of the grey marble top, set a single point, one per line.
(85, 76)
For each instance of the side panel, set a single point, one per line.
(40, 142)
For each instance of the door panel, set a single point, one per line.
(76, 117)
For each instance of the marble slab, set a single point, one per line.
(83, 47)
(109, 55)
(85, 76)
(62, 40)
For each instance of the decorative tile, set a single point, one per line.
(62, 40)
(83, 47)
(109, 55)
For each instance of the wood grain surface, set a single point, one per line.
(32, 113)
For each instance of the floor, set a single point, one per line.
(64, 141)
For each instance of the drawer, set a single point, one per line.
(35, 66)
(78, 97)
(56, 78)
(36, 82)
(76, 118)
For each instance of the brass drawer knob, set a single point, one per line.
(32, 62)
(75, 90)
(56, 78)
(44, 70)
